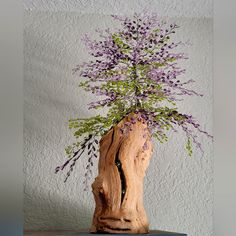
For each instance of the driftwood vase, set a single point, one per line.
(118, 188)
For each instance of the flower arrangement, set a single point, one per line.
(136, 70)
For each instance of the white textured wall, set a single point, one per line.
(178, 189)
(187, 8)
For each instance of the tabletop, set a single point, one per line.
(77, 233)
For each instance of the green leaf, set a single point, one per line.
(189, 147)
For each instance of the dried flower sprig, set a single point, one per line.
(135, 69)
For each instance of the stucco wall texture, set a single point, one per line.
(178, 189)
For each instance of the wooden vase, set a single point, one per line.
(125, 152)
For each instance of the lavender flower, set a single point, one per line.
(135, 69)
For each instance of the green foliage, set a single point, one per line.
(70, 150)
(125, 48)
(189, 147)
(135, 70)
(135, 91)
(85, 127)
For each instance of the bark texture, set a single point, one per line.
(118, 188)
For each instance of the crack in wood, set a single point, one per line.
(122, 175)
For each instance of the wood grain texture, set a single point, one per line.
(118, 189)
